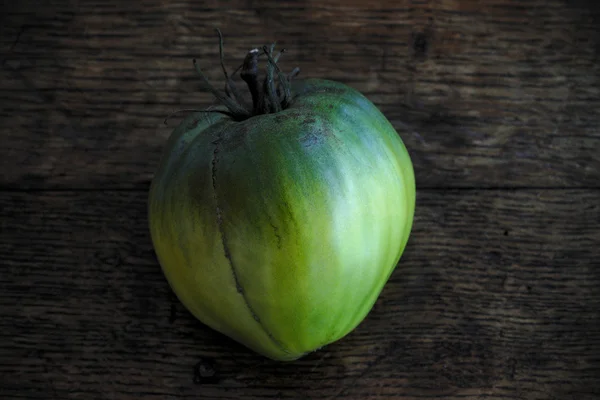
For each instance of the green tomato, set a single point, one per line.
(280, 229)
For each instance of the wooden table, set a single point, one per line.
(498, 293)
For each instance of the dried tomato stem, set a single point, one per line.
(274, 105)
(283, 80)
(266, 96)
(230, 88)
(249, 74)
(237, 111)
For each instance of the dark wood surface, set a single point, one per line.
(498, 293)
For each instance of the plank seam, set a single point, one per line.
(9, 189)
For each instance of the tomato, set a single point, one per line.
(279, 225)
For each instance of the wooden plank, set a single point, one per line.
(485, 93)
(497, 296)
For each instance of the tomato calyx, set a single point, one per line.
(268, 96)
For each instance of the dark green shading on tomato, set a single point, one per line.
(278, 223)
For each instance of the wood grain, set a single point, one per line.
(497, 93)
(498, 294)
(496, 297)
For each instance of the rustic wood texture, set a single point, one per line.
(481, 306)
(495, 93)
(498, 293)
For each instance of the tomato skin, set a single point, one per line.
(281, 230)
